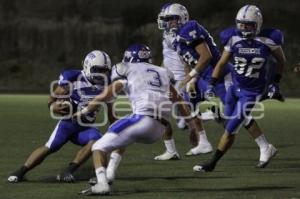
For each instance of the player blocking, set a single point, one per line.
(147, 87)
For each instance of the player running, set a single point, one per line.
(147, 87)
(79, 87)
(197, 50)
(173, 63)
(249, 46)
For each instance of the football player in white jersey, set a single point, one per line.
(79, 87)
(173, 63)
(149, 90)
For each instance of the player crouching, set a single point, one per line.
(80, 87)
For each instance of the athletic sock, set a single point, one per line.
(101, 175)
(72, 167)
(21, 171)
(203, 137)
(113, 164)
(170, 145)
(216, 157)
(262, 142)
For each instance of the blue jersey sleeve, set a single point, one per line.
(68, 76)
(192, 33)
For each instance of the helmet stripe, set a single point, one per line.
(105, 60)
(246, 11)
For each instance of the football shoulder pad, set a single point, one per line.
(226, 34)
(68, 76)
(191, 31)
(273, 34)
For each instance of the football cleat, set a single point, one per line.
(14, 179)
(266, 155)
(86, 192)
(97, 189)
(200, 149)
(208, 167)
(92, 181)
(168, 156)
(65, 177)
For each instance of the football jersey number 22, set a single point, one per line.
(253, 67)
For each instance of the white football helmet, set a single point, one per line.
(176, 12)
(95, 65)
(161, 23)
(249, 15)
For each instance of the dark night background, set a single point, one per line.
(39, 38)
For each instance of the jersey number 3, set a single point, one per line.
(156, 82)
(253, 67)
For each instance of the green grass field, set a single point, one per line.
(26, 124)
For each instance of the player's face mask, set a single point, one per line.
(247, 29)
(172, 22)
(99, 75)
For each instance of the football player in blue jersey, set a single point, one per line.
(79, 87)
(172, 61)
(197, 50)
(249, 46)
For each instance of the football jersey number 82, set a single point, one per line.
(253, 67)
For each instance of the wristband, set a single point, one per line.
(84, 111)
(277, 78)
(193, 73)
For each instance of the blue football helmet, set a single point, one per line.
(136, 53)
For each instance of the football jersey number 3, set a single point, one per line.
(156, 81)
(253, 67)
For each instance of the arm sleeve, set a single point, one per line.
(119, 71)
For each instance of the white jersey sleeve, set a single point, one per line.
(171, 59)
(119, 71)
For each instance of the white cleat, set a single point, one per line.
(92, 181)
(266, 155)
(97, 189)
(13, 179)
(200, 149)
(204, 168)
(101, 189)
(168, 156)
